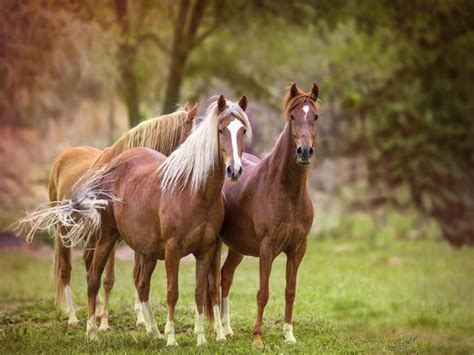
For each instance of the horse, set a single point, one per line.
(269, 211)
(166, 208)
(163, 133)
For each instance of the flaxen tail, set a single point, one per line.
(76, 219)
(214, 283)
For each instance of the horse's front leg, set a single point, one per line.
(172, 257)
(266, 260)
(292, 263)
(147, 267)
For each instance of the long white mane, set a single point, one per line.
(193, 161)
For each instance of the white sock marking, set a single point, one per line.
(226, 316)
(150, 321)
(288, 333)
(169, 332)
(217, 323)
(199, 329)
(234, 127)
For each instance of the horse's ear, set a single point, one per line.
(315, 91)
(243, 102)
(192, 112)
(294, 90)
(186, 106)
(221, 103)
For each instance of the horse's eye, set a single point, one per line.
(220, 131)
(316, 117)
(245, 131)
(292, 117)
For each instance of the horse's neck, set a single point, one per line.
(213, 187)
(107, 155)
(283, 168)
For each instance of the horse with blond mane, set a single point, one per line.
(166, 208)
(269, 211)
(164, 134)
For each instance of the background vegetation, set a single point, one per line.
(396, 78)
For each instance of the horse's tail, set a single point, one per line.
(58, 266)
(214, 282)
(75, 219)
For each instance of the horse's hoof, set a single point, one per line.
(155, 333)
(92, 335)
(290, 340)
(201, 340)
(104, 327)
(257, 342)
(228, 332)
(72, 323)
(171, 342)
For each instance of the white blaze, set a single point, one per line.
(234, 127)
(305, 110)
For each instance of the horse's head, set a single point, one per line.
(233, 126)
(302, 110)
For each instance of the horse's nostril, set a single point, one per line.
(299, 150)
(229, 170)
(240, 170)
(310, 150)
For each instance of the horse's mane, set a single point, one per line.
(160, 133)
(196, 158)
(291, 102)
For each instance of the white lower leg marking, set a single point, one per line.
(217, 323)
(226, 316)
(169, 332)
(71, 312)
(288, 333)
(139, 311)
(199, 328)
(150, 321)
(91, 328)
(234, 127)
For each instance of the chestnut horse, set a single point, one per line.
(166, 208)
(163, 133)
(269, 211)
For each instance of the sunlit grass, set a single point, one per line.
(411, 296)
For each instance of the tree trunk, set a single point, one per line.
(173, 84)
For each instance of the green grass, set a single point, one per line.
(412, 296)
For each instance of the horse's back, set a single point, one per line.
(68, 168)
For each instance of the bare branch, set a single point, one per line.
(154, 38)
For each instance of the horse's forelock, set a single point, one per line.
(290, 103)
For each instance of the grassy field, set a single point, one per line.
(412, 296)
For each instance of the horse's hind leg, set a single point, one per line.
(138, 306)
(172, 257)
(292, 263)
(142, 284)
(108, 283)
(62, 266)
(232, 260)
(203, 269)
(95, 261)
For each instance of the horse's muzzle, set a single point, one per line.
(304, 154)
(233, 173)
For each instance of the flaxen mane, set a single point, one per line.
(161, 133)
(195, 159)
